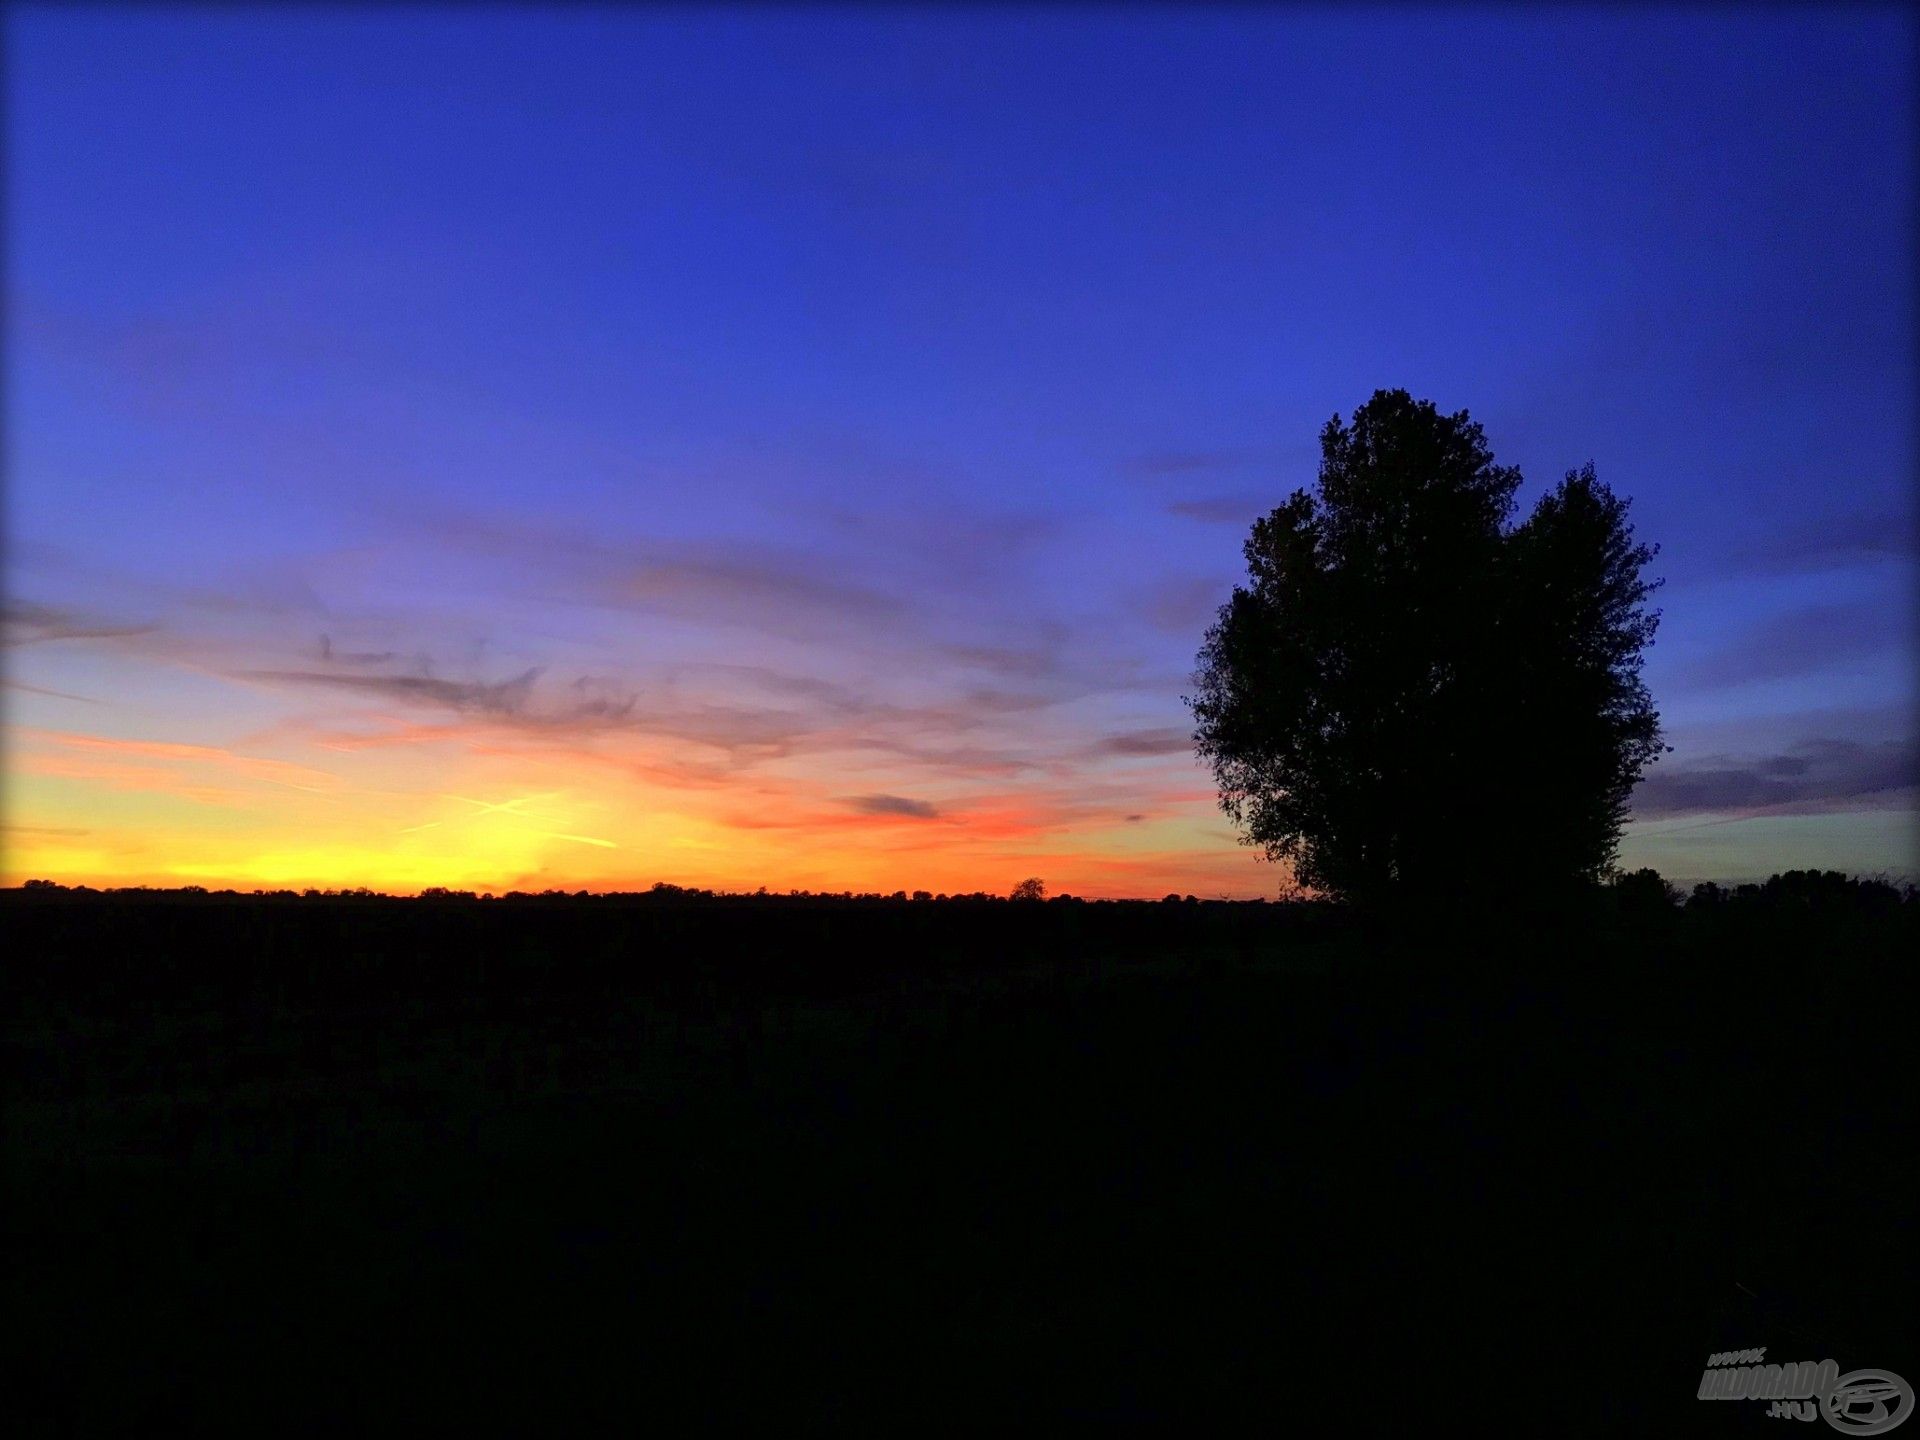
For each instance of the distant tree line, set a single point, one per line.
(1801, 889)
(1026, 891)
(1638, 891)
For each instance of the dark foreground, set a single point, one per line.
(279, 1166)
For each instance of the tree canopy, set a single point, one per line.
(1412, 695)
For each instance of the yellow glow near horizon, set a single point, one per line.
(494, 815)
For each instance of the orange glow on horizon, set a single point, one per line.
(498, 812)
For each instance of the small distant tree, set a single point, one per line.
(1706, 896)
(1411, 697)
(1031, 889)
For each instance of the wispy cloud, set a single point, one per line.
(352, 657)
(1801, 642)
(759, 588)
(1822, 543)
(205, 774)
(1183, 607)
(1815, 775)
(1186, 462)
(23, 622)
(505, 700)
(1163, 740)
(22, 685)
(1224, 509)
(504, 697)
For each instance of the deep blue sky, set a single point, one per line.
(864, 408)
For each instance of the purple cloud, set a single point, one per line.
(1811, 777)
(1223, 509)
(893, 805)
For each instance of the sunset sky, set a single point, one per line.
(509, 448)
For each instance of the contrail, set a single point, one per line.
(509, 807)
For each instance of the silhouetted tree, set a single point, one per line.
(1644, 891)
(1412, 697)
(1029, 890)
(1706, 896)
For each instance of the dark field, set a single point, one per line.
(391, 1164)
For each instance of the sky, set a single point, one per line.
(525, 448)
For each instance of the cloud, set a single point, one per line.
(505, 697)
(206, 774)
(281, 771)
(920, 672)
(893, 805)
(1798, 643)
(748, 712)
(1223, 509)
(1184, 607)
(55, 694)
(969, 761)
(760, 588)
(1814, 776)
(943, 544)
(1012, 661)
(587, 705)
(787, 592)
(596, 699)
(925, 595)
(1186, 462)
(22, 622)
(828, 694)
(1823, 544)
(1161, 468)
(1165, 740)
(352, 657)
